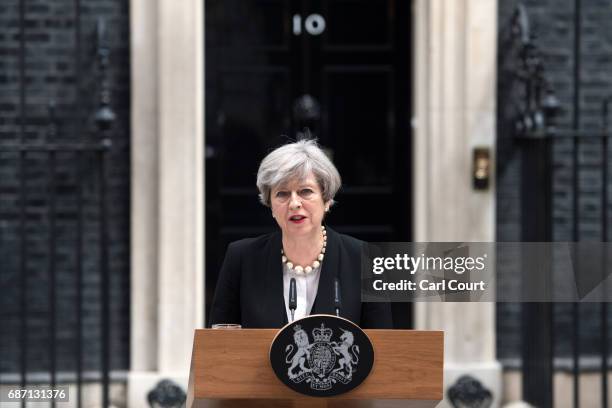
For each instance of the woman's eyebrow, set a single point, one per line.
(299, 186)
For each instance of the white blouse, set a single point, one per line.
(306, 286)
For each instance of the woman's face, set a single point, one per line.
(298, 206)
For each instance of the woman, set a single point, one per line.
(298, 182)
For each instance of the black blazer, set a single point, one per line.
(250, 286)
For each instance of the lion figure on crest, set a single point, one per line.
(301, 355)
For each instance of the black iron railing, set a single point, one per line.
(70, 178)
(537, 137)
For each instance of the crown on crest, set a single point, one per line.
(322, 334)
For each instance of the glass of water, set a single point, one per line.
(230, 326)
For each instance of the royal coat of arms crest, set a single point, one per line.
(323, 362)
(321, 358)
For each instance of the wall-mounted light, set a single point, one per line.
(481, 168)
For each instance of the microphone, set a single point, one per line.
(292, 297)
(337, 296)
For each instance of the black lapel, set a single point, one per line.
(324, 301)
(274, 295)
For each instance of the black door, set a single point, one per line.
(341, 69)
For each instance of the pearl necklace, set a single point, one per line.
(308, 269)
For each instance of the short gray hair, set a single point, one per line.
(295, 161)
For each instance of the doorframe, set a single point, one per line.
(167, 190)
(454, 51)
(455, 68)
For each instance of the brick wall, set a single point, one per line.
(51, 72)
(552, 22)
